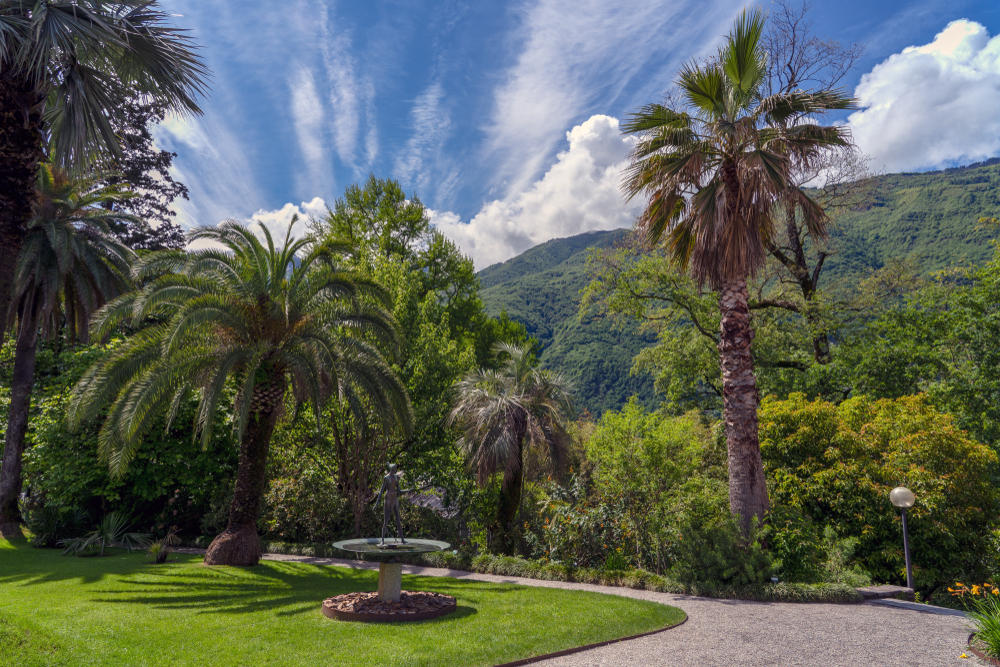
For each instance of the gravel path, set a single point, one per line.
(733, 632)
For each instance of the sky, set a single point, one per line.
(503, 117)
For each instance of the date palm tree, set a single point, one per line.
(248, 315)
(503, 412)
(64, 67)
(70, 265)
(713, 172)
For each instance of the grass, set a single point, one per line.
(120, 609)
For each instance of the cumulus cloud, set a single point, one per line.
(932, 105)
(579, 193)
(277, 220)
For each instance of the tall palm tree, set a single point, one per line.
(70, 265)
(250, 315)
(501, 413)
(714, 173)
(65, 65)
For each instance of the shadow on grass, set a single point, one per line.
(282, 588)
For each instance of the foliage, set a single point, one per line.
(160, 549)
(144, 170)
(173, 480)
(432, 293)
(927, 217)
(942, 341)
(504, 413)
(983, 605)
(124, 46)
(541, 289)
(70, 263)
(835, 465)
(112, 531)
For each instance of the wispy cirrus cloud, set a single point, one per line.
(574, 54)
(308, 118)
(422, 162)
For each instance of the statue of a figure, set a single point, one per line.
(390, 489)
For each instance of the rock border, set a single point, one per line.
(330, 611)
(588, 647)
(988, 659)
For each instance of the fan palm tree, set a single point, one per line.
(501, 413)
(64, 67)
(70, 265)
(248, 314)
(714, 173)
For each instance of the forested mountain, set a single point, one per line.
(930, 218)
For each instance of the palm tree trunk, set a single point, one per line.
(747, 487)
(239, 543)
(510, 501)
(17, 426)
(20, 154)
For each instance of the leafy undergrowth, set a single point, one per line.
(120, 609)
(512, 566)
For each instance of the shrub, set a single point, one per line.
(835, 465)
(112, 531)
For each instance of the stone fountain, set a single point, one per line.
(390, 603)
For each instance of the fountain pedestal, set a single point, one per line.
(390, 581)
(390, 603)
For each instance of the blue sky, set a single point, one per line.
(502, 117)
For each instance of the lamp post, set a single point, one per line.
(903, 498)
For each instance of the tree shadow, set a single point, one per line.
(284, 588)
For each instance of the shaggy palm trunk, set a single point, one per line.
(20, 154)
(17, 425)
(239, 543)
(747, 488)
(510, 500)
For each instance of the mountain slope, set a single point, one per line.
(929, 217)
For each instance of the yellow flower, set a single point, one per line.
(975, 589)
(964, 656)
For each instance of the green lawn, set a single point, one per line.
(122, 610)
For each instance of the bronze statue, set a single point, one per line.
(390, 489)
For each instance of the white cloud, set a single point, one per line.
(579, 53)
(932, 105)
(579, 193)
(277, 220)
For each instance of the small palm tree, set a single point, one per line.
(714, 174)
(500, 413)
(70, 265)
(251, 314)
(65, 65)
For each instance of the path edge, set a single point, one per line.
(588, 647)
(988, 659)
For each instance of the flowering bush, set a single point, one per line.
(983, 603)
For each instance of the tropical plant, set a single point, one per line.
(160, 549)
(714, 174)
(70, 264)
(503, 412)
(254, 314)
(111, 532)
(65, 65)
